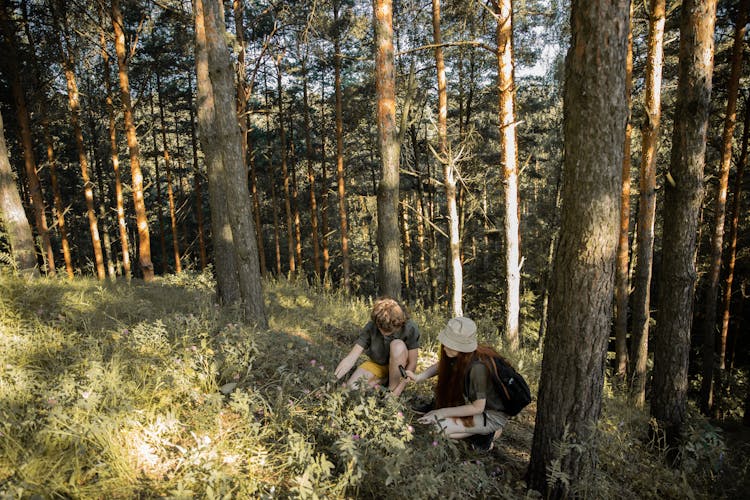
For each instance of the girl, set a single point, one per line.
(467, 404)
(391, 340)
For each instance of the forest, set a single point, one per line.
(200, 201)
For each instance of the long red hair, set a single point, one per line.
(452, 373)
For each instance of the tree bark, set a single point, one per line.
(710, 365)
(311, 174)
(324, 188)
(170, 191)
(449, 174)
(198, 185)
(285, 173)
(159, 199)
(13, 215)
(388, 236)
(622, 286)
(732, 250)
(682, 203)
(507, 121)
(24, 124)
(115, 156)
(222, 146)
(75, 111)
(141, 217)
(345, 264)
(647, 203)
(582, 285)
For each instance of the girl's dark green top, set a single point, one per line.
(378, 347)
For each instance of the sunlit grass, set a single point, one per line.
(148, 390)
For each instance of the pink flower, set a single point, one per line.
(312, 362)
(400, 414)
(355, 437)
(434, 443)
(410, 428)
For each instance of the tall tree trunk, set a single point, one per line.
(732, 249)
(449, 177)
(13, 216)
(222, 146)
(115, 156)
(103, 216)
(24, 124)
(647, 203)
(582, 285)
(507, 120)
(74, 105)
(717, 238)
(59, 208)
(324, 187)
(622, 286)
(338, 56)
(159, 199)
(170, 191)
(682, 203)
(141, 217)
(198, 185)
(388, 238)
(285, 172)
(310, 173)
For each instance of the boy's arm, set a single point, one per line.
(346, 364)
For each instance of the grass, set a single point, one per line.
(151, 390)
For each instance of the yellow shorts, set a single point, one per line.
(380, 371)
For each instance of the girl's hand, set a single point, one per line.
(411, 376)
(430, 417)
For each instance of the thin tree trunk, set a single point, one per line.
(103, 216)
(114, 154)
(310, 174)
(388, 235)
(13, 216)
(141, 217)
(198, 185)
(59, 208)
(622, 285)
(717, 238)
(682, 203)
(345, 264)
(170, 192)
(732, 250)
(580, 311)
(285, 173)
(647, 203)
(507, 121)
(449, 177)
(324, 188)
(74, 105)
(159, 199)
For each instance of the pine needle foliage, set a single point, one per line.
(116, 390)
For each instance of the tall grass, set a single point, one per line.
(151, 390)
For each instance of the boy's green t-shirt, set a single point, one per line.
(378, 347)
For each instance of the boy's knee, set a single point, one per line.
(398, 348)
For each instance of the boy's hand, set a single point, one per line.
(410, 376)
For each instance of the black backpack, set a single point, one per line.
(513, 390)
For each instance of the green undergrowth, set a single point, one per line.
(116, 390)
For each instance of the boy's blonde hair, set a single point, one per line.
(388, 315)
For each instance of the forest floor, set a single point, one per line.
(151, 390)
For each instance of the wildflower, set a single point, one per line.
(410, 428)
(434, 443)
(400, 414)
(355, 437)
(125, 331)
(312, 362)
(193, 348)
(86, 394)
(236, 376)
